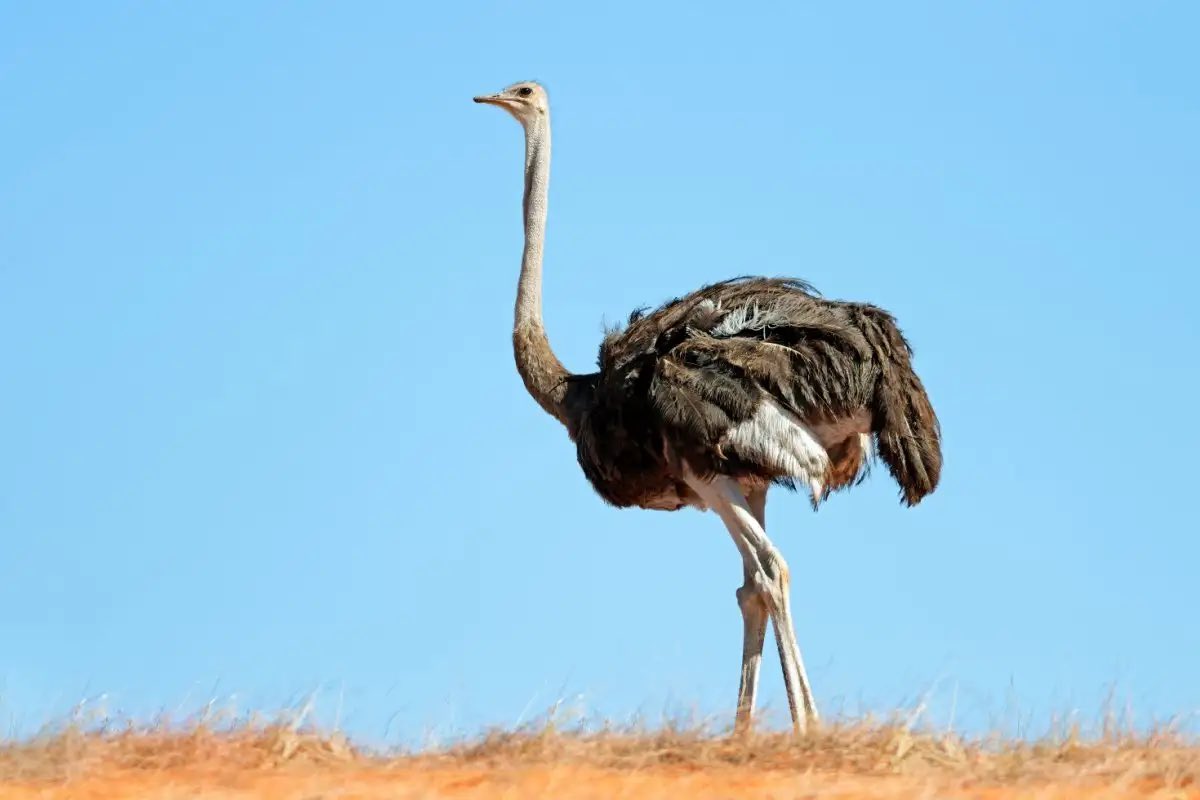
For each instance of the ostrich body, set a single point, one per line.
(717, 396)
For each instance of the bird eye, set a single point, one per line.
(524, 91)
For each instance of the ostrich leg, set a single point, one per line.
(794, 676)
(768, 574)
(754, 630)
(754, 624)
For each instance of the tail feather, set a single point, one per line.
(908, 435)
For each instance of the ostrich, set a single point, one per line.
(720, 394)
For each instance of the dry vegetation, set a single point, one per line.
(842, 761)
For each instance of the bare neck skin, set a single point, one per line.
(544, 375)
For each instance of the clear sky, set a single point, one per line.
(261, 434)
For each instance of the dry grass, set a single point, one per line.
(861, 759)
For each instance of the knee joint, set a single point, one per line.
(750, 593)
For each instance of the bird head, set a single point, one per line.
(527, 101)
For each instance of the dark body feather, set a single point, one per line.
(674, 383)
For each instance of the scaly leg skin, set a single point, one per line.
(754, 625)
(754, 631)
(766, 573)
(794, 676)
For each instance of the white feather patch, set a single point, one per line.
(777, 439)
(749, 317)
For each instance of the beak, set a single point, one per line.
(492, 99)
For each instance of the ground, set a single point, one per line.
(860, 760)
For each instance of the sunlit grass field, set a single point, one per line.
(895, 758)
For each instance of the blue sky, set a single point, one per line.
(262, 435)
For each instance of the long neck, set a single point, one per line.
(544, 375)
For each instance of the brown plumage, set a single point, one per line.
(686, 374)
